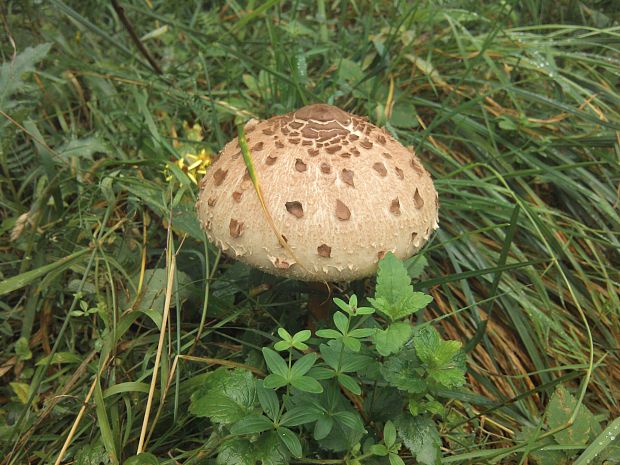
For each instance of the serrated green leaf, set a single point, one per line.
(445, 363)
(394, 295)
(420, 436)
(537, 453)
(12, 72)
(393, 282)
(227, 396)
(276, 364)
(95, 454)
(303, 365)
(267, 450)
(251, 425)
(404, 372)
(299, 415)
(559, 411)
(290, 440)
(389, 341)
(307, 384)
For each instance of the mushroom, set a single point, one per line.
(340, 190)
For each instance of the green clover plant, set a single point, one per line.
(365, 388)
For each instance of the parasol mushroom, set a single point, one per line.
(341, 191)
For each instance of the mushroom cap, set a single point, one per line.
(341, 191)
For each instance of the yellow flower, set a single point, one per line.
(194, 165)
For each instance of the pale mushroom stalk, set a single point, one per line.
(340, 190)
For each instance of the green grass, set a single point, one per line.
(514, 109)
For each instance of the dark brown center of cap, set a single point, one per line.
(322, 112)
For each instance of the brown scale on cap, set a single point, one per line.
(324, 250)
(347, 223)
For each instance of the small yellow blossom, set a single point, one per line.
(194, 165)
(191, 163)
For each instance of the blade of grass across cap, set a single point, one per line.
(245, 150)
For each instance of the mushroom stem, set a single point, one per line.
(319, 302)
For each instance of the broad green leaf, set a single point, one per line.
(404, 372)
(349, 383)
(391, 340)
(284, 334)
(22, 349)
(395, 459)
(559, 412)
(445, 363)
(299, 415)
(342, 322)
(420, 436)
(302, 336)
(290, 440)
(389, 434)
(153, 292)
(21, 390)
(268, 400)
(323, 427)
(328, 334)
(266, 450)
(415, 266)
(394, 295)
(276, 364)
(348, 419)
(274, 381)
(354, 362)
(303, 365)
(362, 332)
(342, 305)
(393, 281)
(282, 345)
(538, 454)
(379, 449)
(93, 454)
(251, 425)
(321, 373)
(352, 344)
(227, 396)
(347, 362)
(307, 384)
